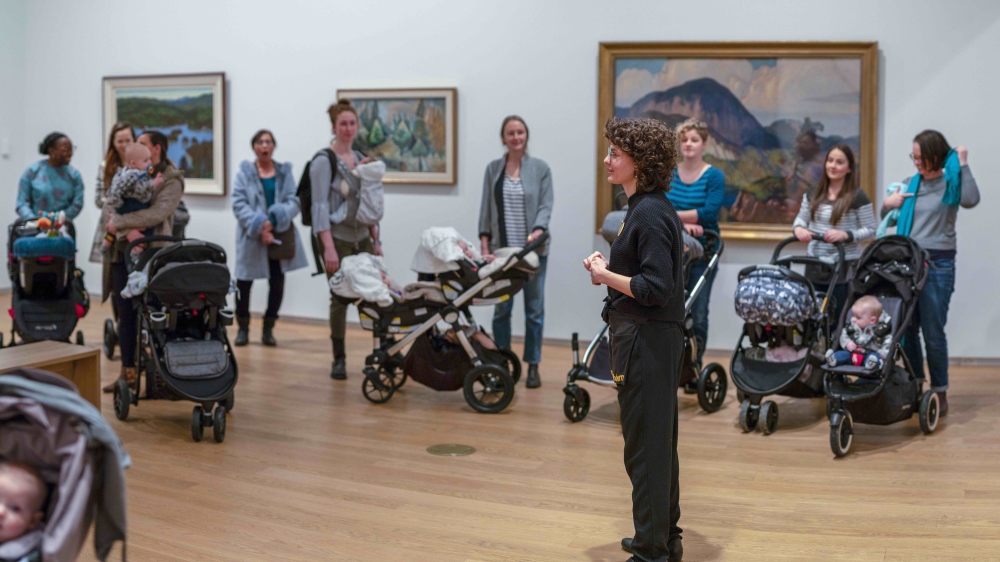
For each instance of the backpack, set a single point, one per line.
(304, 191)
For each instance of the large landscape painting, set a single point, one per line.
(771, 121)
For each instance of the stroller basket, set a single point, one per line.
(198, 359)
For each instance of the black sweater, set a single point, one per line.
(649, 250)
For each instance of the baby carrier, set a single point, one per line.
(183, 349)
(893, 269)
(463, 357)
(47, 293)
(48, 426)
(786, 333)
(708, 382)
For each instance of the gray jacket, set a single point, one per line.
(536, 176)
(251, 210)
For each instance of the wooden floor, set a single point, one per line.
(311, 471)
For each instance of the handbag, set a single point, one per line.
(286, 249)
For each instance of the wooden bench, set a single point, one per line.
(78, 363)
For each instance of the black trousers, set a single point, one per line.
(648, 401)
(276, 292)
(128, 318)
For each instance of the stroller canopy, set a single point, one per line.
(774, 296)
(58, 247)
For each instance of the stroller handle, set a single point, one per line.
(791, 240)
(533, 245)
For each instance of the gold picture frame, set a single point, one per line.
(621, 79)
(413, 130)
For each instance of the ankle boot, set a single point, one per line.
(128, 374)
(942, 404)
(533, 381)
(339, 371)
(243, 333)
(267, 338)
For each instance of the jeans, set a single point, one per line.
(128, 316)
(930, 318)
(276, 292)
(534, 317)
(699, 308)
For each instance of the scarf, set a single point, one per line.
(952, 192)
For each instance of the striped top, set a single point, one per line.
(703, 195)
(514, 217)
(858, 221)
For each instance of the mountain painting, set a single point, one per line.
(184, 115)
(407, 134)
(771, 121)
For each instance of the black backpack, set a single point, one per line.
(304, 191)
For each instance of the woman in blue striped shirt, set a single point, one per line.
(696, 193)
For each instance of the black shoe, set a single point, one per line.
(243, 334)
(533, 381)
(339, 371)
(267, 338)
(942, 404)
(675, 549)
(627, 544)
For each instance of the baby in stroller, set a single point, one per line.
(131, 190)
(22, 496)
(866, 341)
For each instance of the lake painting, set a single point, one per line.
(184, 115)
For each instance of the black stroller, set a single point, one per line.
(893, 269)
(709, 383)
(486, 374)
(47, 293)
(782, 312)
(183, 350)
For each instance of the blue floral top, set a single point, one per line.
(44, 189)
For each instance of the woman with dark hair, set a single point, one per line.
(128, 227)
(51, 185)
(839, 211)
(645, 309)
(120, 138)
(928, 210)
(333, 183)
(515, 209)
(264, 203)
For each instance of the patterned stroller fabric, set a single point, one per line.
(774, 297)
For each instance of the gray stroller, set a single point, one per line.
(47, 425)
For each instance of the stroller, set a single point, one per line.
(709, 383)
(894, 269)
(472, 362)
(47, 425)
(787, 324)
(183, 350)
(47, 295)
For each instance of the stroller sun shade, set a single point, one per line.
(44, 247)
(183, 282)
(774, 296)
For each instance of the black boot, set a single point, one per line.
(243, 334)
(675, 549)
(942, 404)
(533, 380)
(339, 371)
(267, 338)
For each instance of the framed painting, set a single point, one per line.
(773, 111)
(190, 109)
(413, 131)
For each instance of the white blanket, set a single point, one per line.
(502, 256)
(360, 277)
(439, 251)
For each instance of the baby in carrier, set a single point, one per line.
(22, 497)
(866, 341)
(132, 190)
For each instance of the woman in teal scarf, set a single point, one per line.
(928, 209)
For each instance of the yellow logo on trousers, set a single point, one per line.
(617, 378)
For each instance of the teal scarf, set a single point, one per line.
(952, 192)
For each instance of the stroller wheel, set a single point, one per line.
(110, 338)
(576, 405)
(378, 385)
(399, 378)
(930, 409)
(748, 416)
(768, 417)
(841, 433)
(79, 337)
(488, 388)
(219, 424)
(197, 423)
(123, 398)
(712, 386)
(511, 363)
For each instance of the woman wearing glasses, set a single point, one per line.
(928, 209)
(645, 309)
(264, 203)
(51, 185)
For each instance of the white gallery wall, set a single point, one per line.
(285, 60)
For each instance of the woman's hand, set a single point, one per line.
(833, 236)
(377, 246)
(895, 200)
(331, 261)
(963, 155)
(802, 234)
(534, 234)
(365, 160)
(484, 245)
(267, 233)
(595, 262)
(134, 235)
(111, 228)
(695, 230)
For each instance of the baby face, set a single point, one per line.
(466, 250)
(144, 162)
(21, 500)
(862, 318)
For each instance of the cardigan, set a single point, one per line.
(536, 178)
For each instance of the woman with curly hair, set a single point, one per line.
(645, 308)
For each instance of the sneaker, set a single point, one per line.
(339, 371)
(830, 360)
(873, 362)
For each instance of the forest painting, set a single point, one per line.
(412, 131)
(771, 120)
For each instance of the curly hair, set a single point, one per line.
(651, 145)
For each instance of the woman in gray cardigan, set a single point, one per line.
(515, 209)
(264, 202)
